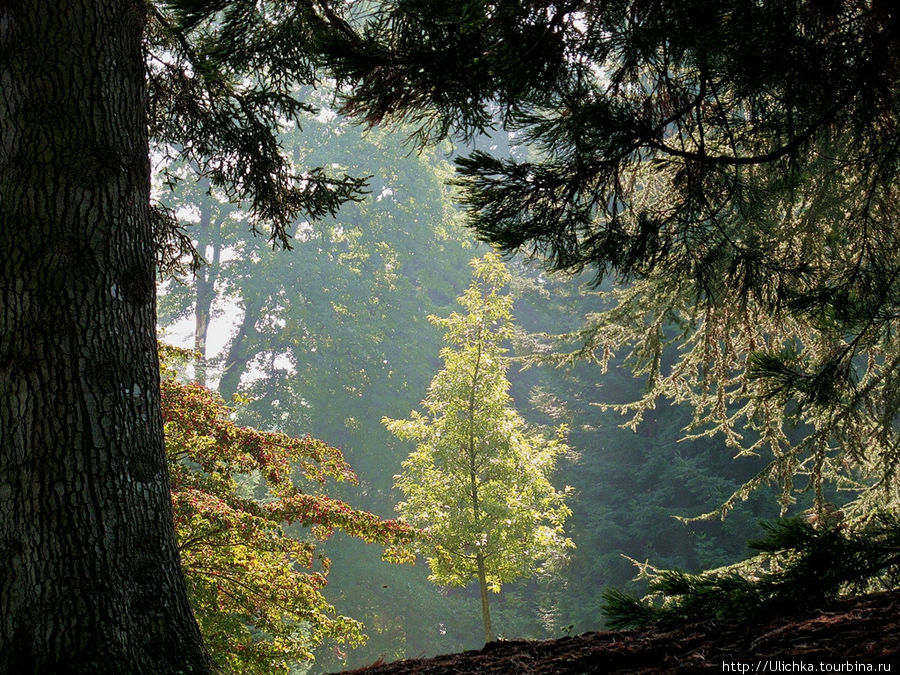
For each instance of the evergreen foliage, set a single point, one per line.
(636, 486)
(734, 163)
(478, 483)
(224, 78)
(799, 566)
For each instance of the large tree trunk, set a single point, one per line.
(90, 580)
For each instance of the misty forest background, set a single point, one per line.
(698, 203)
(331, 336)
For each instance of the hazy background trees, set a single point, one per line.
(721, 172)
(331, 336)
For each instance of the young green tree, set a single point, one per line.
(478, 483)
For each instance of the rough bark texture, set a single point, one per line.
(90, 580)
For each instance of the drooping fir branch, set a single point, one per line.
(817, 404)
(176, 254)
(224, 77)
(747, 189)
(799, 566)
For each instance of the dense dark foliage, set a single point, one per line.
(737, 109)
(223, 79)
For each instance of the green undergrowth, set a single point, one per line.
(797, 567)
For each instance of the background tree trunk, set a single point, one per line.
(238, 352)
(205, 281)
(90, 580)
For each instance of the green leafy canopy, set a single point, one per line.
(478, 483)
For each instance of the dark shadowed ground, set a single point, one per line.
(850, 636)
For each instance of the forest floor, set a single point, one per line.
(849, 636)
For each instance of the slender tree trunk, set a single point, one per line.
(236, 360)
(90, 580)
(485, 605)
(202, 312)
(205, 289)
(473, 488)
